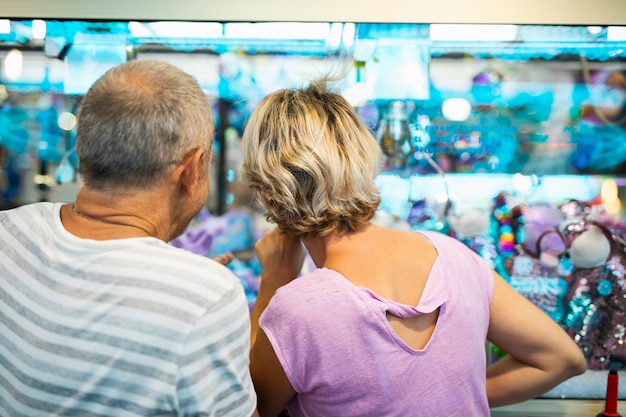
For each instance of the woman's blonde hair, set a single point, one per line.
(311, 162)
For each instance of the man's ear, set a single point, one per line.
(189, 169)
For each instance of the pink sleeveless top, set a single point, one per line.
(343, 359)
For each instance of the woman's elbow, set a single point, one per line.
(574, 363)
(580, 366)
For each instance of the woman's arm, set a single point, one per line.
(540, 355)
(270, 382)
(281, 259)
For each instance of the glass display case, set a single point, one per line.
(510, 137)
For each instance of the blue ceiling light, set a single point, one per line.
(265, 37)
(526, 42)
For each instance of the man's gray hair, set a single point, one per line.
(138, 121)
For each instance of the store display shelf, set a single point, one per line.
(554, 408)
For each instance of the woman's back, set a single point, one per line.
(395, 265)
(347, 351)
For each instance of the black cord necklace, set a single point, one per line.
(88, 217)
(96, 219)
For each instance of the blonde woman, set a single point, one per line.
(391, 323)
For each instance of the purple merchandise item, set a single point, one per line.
(537, 268)
(198, 238)
(595, 316)
(215, 235)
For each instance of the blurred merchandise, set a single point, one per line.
(513, 143)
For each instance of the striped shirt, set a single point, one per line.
(125, 328)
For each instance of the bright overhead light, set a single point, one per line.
(5, 26)
(13, 63)
(456, 109)
(524, 183)
(349, 29)
(197, 30)
(277, 30)
(616, 33)
(138, 29)
(454, 32)
(594, 30)
(66, 121)
(334, 39)
(39, 29)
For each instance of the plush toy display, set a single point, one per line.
(596, 298)
(571, 263)
(474, 228)
(590, 249)
(537, 268)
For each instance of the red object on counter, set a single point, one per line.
(610, 402)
